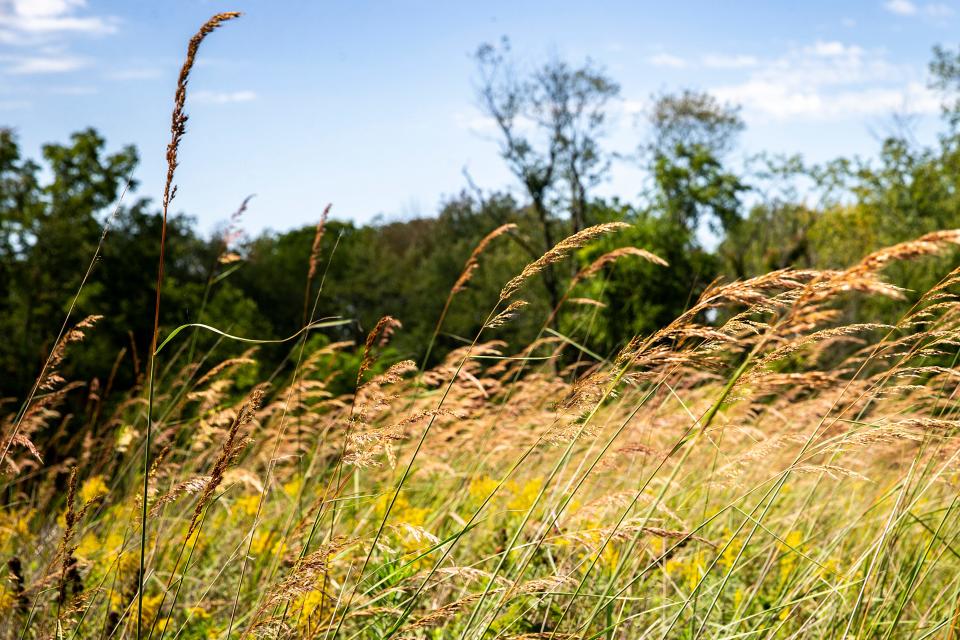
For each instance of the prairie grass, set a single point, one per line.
(763, 466)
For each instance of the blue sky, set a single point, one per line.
(370, 105)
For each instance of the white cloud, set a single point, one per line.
(833, 49)
(224, 97)
(28, 65)
(667, 60)
(476, 123)
(73, 91)
(40, 28)
(720, 61)
(900, 7)
(829, 80)
(484, 126)
(782, 102)
(633, 108)
(938, 10)
(44, 8)
(834, 64)
(25, 21)
(822, 80)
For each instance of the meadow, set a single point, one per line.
(764, 465)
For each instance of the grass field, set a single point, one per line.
(764, 466)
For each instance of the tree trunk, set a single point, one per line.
(549, 274)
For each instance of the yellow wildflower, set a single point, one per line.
(7, 598)
(480, 488)
(790, 546)
(693, 570)
(248, 504)
(198, 613)
(525, 498)
(260, 541)
(292, 488)
(729, 555)
(151, 607)
(92, 488)
(88, 547)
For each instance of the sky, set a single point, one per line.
(371, 105)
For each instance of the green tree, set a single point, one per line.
(691, 136)
(49, 235)
(550, 122)
(640, 297)
(52, 217)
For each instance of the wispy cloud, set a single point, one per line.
(224, 97)
(822, 80)
(936, 10)
(23, 22)
(8, 105)
(721, 61)
(833, 49)
(632, 108)
(484, 126)
(29, 65)
(36, 34)
(667, 60)
(776, 101)
(476, 123)
(900, 7)
(830, 80)
(72, 91)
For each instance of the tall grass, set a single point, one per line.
(763, 466)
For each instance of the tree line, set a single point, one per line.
(706, 216)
